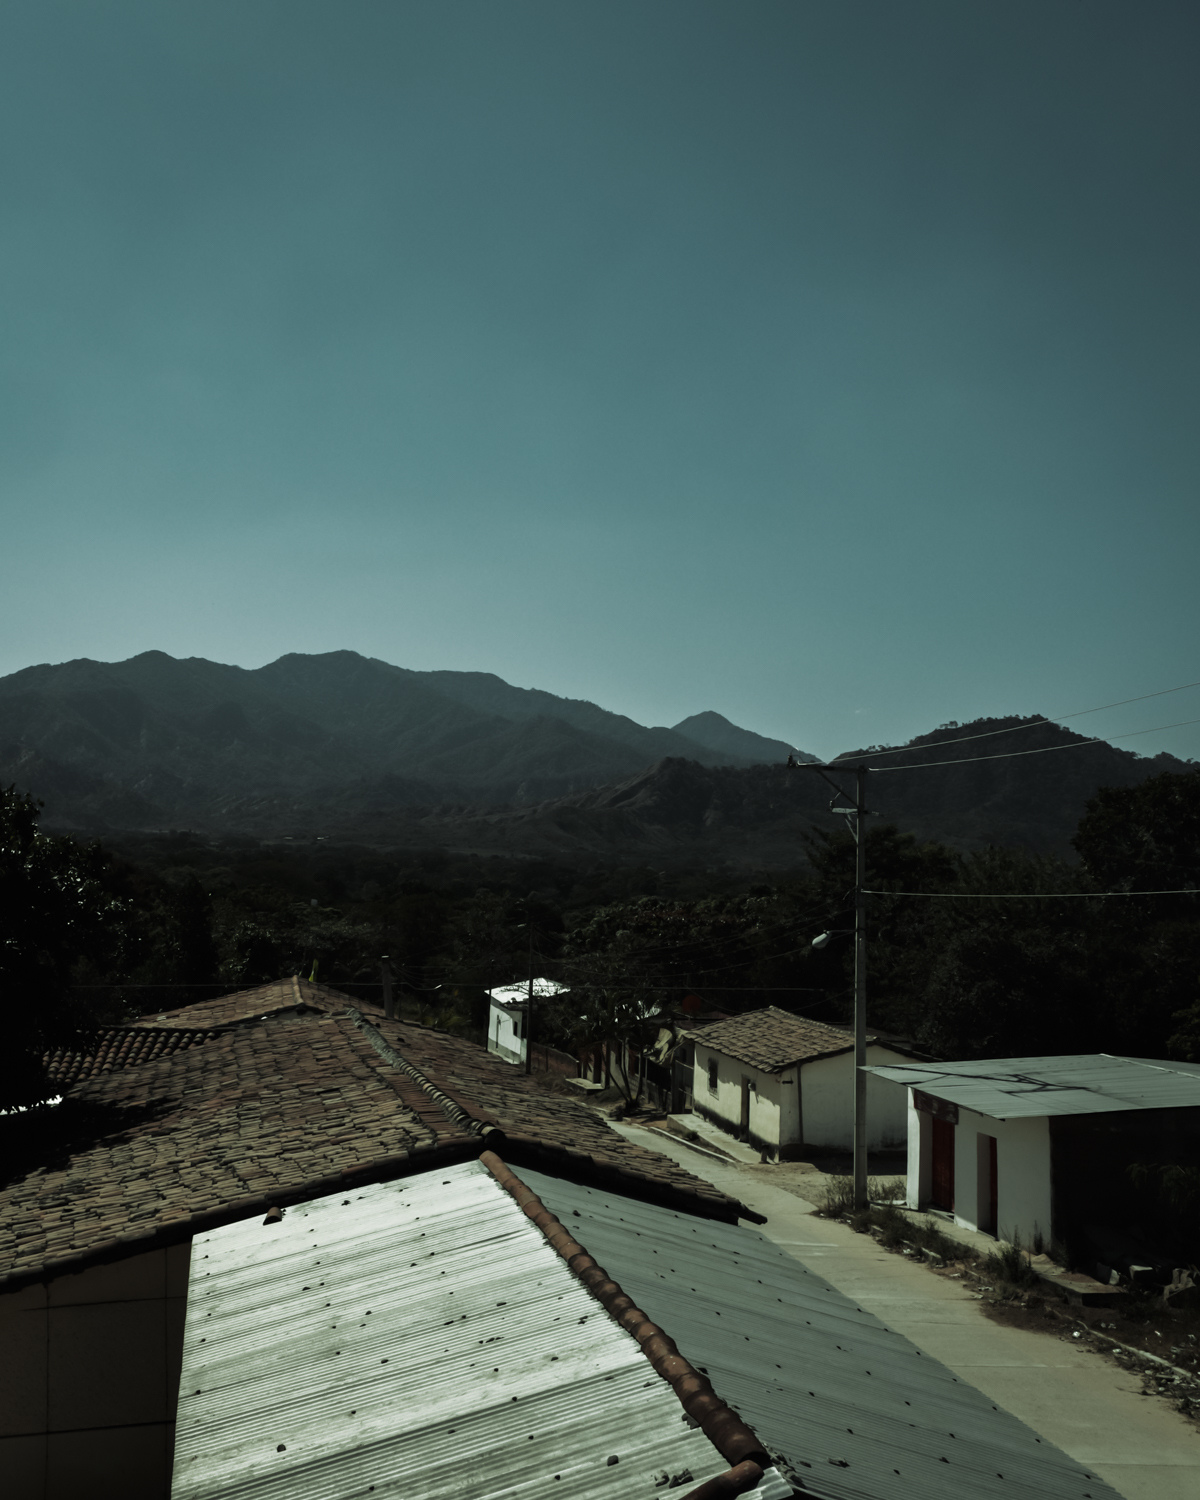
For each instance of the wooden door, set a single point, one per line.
(745, 1122)
(942, 1185)
(993, 1189)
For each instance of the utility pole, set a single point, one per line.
(860, 988)
(529, 1005)
(389, 1004)
(857, 816)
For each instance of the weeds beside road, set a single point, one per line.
(1161, 1344)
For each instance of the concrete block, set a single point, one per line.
(116, 1463)
(23, 1467)
(28, 1298)
(108, 1365)
(178, 1263)
(136, 1277)
(23, 1354)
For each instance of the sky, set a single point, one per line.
(830, 365)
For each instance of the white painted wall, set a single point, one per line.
(89, 1380)
(920, 1153)
(827, 1102)
(817, 1108)
(1022, 1174)
(504, 1028)
(774, 1109)
(1023, 1196)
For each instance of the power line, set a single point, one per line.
(1033, 724)
(970, 760)
(1030, 895)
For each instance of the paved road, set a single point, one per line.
(1090, 1408)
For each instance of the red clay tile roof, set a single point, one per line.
(773, 1039)
(121, 1047)
(251, 1005)
(278, 1110)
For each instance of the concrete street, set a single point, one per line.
(1090, 1408)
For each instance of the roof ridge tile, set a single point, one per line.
(734, 1440)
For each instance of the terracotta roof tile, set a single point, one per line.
(279, 1109)
(122, 1047)
(772, 1039)
(296, 995)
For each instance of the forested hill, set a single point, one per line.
(156, 742)
(348, 748)
(678, 812)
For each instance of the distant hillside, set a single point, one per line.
(308, 741)
(678, 812)
(344, 747)
(715, 732)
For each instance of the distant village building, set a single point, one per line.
(785, 1084)
(508, 1020)
(1065, 1151)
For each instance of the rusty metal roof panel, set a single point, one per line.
(415, 1338)
(853, 1408)
(1011, 1087)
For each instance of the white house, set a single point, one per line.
(786, 1084)
(1053, 1149)
(508, 1027)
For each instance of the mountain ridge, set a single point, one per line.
(345, 747)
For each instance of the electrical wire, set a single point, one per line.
(1030, 895)
(970, 760)
(1033, 724)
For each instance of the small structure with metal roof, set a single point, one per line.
(508, 1019)
(785, 1083)
(427, 1338)
(1056, 1149)
(848, 1408)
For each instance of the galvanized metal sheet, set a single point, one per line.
(856, 1410)
(1011, 1087)
(415, 1339)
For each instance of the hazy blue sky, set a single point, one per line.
(832, 365)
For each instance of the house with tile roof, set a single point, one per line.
(785, 1084)
(299, 1248)
(192, 1119)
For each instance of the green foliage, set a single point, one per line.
(60, 922)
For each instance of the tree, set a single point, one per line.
(59, 920)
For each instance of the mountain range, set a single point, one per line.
(345, 747)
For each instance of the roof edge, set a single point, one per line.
(450, 1151)
(619, 1176)
(732, 1438)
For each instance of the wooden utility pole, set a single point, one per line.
(529, 1006)
(857, 816)
(385, 974)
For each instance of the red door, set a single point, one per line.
(942, 1194)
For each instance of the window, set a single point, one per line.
(712, 1075)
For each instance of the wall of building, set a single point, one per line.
(774, 1108)
(827, 1102)
(89, 1381)
(505, 1037)
(1023, 1184)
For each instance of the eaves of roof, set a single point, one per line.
(280, 1111)
(404, 1335)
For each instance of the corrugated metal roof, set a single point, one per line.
(1009, 1087)
(421, 1339)
(857, 1411)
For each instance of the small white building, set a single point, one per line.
(1049, 1148)
(786, 1084)
(508, 1026)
